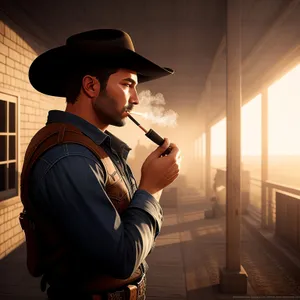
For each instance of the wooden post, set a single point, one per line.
(270, 209)
(233, 135)
(233, 279)
(264, 156)
(208, 144)
(207, 163)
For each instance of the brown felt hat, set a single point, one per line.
(101, 48)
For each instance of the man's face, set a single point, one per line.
(120, 95)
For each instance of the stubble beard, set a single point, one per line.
(104, 116)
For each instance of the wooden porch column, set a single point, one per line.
(264, 156)
(233, 278)
(207, 163)
(208, 187)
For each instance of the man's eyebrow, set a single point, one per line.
(130, 80)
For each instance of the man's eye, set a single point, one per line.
(127, 84)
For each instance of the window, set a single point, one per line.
(8, 146)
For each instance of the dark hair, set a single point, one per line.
(75, 81)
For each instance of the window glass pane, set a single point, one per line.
(12, 176)
(2, 177)
(12, 147)
(3, 147)
(12, 117)
(3, 115)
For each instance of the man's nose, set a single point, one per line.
(134, 99)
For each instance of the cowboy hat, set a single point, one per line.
(100, 48)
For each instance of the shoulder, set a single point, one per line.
(58, 152)
(64, 156)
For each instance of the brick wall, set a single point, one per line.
(15, 58)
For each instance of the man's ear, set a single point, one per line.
(90, 86)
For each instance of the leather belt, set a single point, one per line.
(133, 291)
(136, 291)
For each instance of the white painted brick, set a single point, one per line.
(14, 241)
(13, 82)
(4, 49)
(19, 49)
(14, 55)
(16, 212)
(24, 117)
(9, 215)
(25, 77)
(24, 94)
(10, 43)
(2, 68)
(21, 84)
(27, 61)
(32, 118)
(6, 79)
(18, 41)
(2, 250)
(7, 31)
(33, 55)
(27, 54)
(9, 71)
(10, 62)
(18, 74)
(18, 66)
(27, 101)
(21, 235)
(29, 110)
(35, 97)
(22, 59)
(22, 42)
(2, 58)
(16, 229)
(6, 226)
(29, 126)
(8, 243)
(29, 87)
(14, 221)
(13, 36)
(8, 234)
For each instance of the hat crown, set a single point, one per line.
(95, 49)
(112, 38)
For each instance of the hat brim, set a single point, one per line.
(49, 72)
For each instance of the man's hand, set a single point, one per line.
(160, 171)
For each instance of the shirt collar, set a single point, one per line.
(121, 147)
(95, 134)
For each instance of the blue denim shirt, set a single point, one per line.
(67, 182)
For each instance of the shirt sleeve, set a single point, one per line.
(73, 191)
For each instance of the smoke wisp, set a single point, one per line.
(152, 108)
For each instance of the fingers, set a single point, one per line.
(165, 145)
(175, 150)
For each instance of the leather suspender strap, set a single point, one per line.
(48, 137)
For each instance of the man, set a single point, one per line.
(95, 225)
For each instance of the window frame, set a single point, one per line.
(12, 97)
